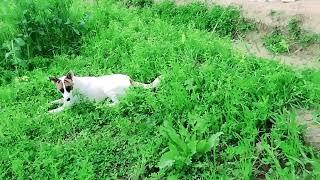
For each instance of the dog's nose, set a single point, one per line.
(68, 99)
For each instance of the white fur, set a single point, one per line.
(98, 89)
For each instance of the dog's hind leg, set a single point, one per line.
(152, 85)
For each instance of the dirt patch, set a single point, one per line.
(301, 58)
(312, 134)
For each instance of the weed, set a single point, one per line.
(277, 42)
(184, 147)
(294, 28)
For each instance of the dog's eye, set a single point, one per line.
(69, 88)
(61, 90)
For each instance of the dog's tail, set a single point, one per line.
(152, 85)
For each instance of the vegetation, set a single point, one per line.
(225, 21)
(216, 115)
(290, 40)
(43, 28)
(138, 3)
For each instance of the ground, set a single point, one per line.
(219, 112)
(274, 13)
(271, 14)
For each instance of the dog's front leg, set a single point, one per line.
(57, 110)
(63, 107)
(58, 101)
(112, 104)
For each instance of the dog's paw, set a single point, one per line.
(57, 110)
(59, 101)
(54, 111)
(51, 111)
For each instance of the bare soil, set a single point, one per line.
(308, 119)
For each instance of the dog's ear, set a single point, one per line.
(54, 79)
(70, 75)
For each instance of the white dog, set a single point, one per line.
(94, 88)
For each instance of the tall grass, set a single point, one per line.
(217, 113)
(37, 28)
(225, 21)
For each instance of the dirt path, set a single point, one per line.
(260, 10)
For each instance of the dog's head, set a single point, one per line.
(64, 85)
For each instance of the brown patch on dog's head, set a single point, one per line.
(58, 83)
(70, 75)
(54, 79)
(65, 83)
(68, 81)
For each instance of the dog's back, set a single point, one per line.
(97, 88)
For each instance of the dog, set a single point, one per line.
(97, 89)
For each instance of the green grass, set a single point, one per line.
(204, 121)
(225, 21)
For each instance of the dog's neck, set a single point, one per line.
(79, 83)
(82, 85)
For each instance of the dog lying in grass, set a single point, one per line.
(94, 88)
